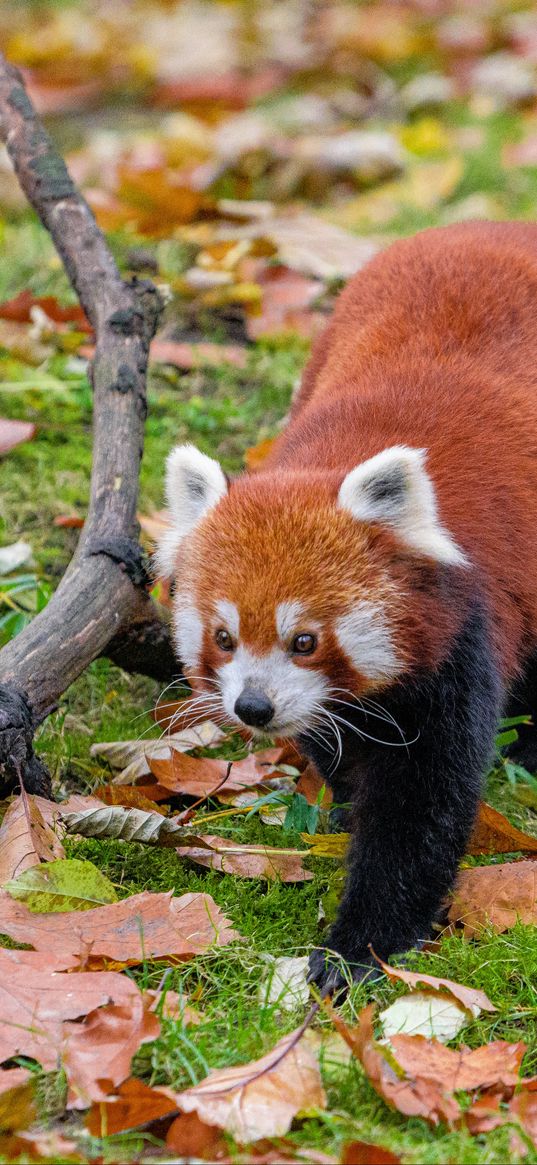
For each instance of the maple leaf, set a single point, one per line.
(145, 926)
(495, 896)
(246, 861)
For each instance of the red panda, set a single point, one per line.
(372, 591)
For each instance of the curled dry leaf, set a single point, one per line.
(97, 1053)
(259, 1099)
(27, 837)
(246, 861)
(471, 999)
(285, 983)
(145, 926)
(134, 1104)
(495, 896)
(148, 826)
(36, 1001)
(494, 834)
(424, 1013)
(421, 1077)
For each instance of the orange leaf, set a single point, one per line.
(134, 1104)
(131, 796)
(362, 1153)
(97, 1053)
(310, 784)
(19, 309)
(198, 777)
(494, 834)
(190, 1138)
(145, 926)
(495, 896)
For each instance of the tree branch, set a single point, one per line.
(102, 594)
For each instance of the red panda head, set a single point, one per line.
(293, 588)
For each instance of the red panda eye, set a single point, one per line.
(304, 644)
(224, 640)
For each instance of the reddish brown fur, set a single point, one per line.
(432, 345)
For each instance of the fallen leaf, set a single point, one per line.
(13, 433)
(25, 837)
(134, 1104)
(98, 1052)
(523, 1108)
(133, 756)
(494, 834)
(185, 355)
(145, 926)
(286, 303)
(420, 1077)
(27, 345)
(286, 982)
(260, 1099)
(484, 1113)
(17, 1106)
(132, 796)
(495, 896)
(247, 861)
(310, 784)
(147, 826)
(36, 1000)
(192, 1139)
(68, 521)
(171, 1005)
(199, 777)
(39, 1145)
(471, 998)
(423, 1013)
(327, 845)
(14, 556)
(20, 309)
(67, 884)
(362, 1153)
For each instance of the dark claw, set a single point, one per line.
(332, 975)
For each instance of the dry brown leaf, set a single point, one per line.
(484, 1113)
(310, 784)
(145, 926)
(494, 834)
(39, 1145)
(171, 1005)
(191, 1139)
(523, 1108)
(20, 310)
(13, 433)
(36, 1000)
(134, 1104)
(259, 1099)
(428, 1074)
(97, 1053)
(12, 1077)
(495, 896)
(197, 355)
(247, 861)
(197, 777)
(472, 999)
(308, 244)
(362, 1153)
(132, 797)
(26, 838)
(286, 303)
(149, 826)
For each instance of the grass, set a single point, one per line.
(224, 410)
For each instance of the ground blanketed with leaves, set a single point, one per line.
(249, 158)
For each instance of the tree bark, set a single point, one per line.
(101, 603)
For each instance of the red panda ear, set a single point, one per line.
(194, 484)
(394, 489)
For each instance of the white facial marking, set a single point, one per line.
(188, 632)
(364, 635)
(194, 484)
(288, 618)
(395, 489)
(294, 691)
(229, 616)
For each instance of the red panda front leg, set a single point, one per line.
(412, 808)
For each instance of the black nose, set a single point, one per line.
(254, 708)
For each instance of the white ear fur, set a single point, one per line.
(194, 484)
(394, 488)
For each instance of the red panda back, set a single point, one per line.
(434, 345)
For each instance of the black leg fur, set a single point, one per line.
(523, 700)
(412, 807)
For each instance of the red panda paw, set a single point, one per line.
(332, 974)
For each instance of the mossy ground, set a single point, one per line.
(225, 410)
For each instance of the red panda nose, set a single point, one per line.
(254, 708)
